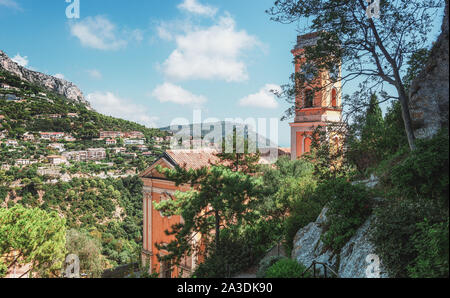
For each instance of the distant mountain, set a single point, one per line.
(220, 130)
(59, 86)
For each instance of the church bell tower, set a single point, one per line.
(318, 102)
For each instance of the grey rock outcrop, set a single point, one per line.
(353, 263)
(308, 246)
(429, 91)
(59, 86)
(350, 262)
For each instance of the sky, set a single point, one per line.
(157, 60)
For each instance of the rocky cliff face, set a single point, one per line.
(350, 262)
(429, 92)
(62, 87)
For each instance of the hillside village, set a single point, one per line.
(23, 145)
(358, 197)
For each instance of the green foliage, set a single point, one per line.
(396, 227)
(3, 270)
(86, 126)
(241, 247)
(289, 198)
(88, 249)
(366, 140)
(233, 256)
(90, 204)
(265, 264)
(38, 237)
(285, 184)
(416, 63)
(349, 208)
(411, 231)
(304, 210)
(424, 173)
(286, 268)
(328, 155)
(394, 134)
(432, 245)
(221, 195)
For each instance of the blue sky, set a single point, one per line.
(153, 61)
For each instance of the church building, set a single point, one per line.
(157, 188)
(317, 104)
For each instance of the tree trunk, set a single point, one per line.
(404, 102)
(217, 229)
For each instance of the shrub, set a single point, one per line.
(3, 270)
(3, 193)
(396, 227)
(349, 208)
(286, 268)
(265, 264)
(424, 173)
(411, 230)
(239, 250)
(432, 246)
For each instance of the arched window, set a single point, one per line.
(334, 98)
(309, 99)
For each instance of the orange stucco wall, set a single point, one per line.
(156, 225)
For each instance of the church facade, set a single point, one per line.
(157, 188)
(317, 104)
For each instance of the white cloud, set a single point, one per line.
(10, 4)
(193, 6)
(59, 76)
(95, 74)
(264, 98)
(168, 92)
(137, 35)
(109, 104)
(98, 33)
(21, 60)
(164, 33)
(210, 53)
(168, 30)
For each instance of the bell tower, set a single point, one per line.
(318, 101)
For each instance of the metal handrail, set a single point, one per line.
(326, 268)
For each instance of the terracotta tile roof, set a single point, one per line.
(193, 159)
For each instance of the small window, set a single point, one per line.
(309, 99)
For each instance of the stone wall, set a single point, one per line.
(429, 91)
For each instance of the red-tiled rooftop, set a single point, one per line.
(193, 159)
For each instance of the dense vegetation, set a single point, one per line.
(32, 236)
(22, 117)
(412, 230)
(102, 216)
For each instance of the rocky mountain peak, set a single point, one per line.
(59, 86)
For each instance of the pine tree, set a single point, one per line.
(219, 196)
